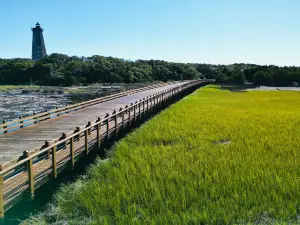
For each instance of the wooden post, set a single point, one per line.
(57, 114)
(151, 104)
(30, 174)
(63, 136)
(98, 132)
(166, 95)
(88, 125)
(1, 197)
(107, 126)
(77, 130)
(35, 118)
(144, 106)
(116, 122)
(134, 111)
(129, 115)
(123, 119)
(147, 104)
(72, 152)
(21, 122)
(48, 113)
(54, 165)
(4, 127)
(47, 144)
(140, 114)
(86, 142)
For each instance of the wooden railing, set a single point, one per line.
(26, 175)
(22, 122)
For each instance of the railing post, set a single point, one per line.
(129, 115)
(134, 111)
(49, 114)
(77, 130)
(123, 117)
(107, 126)
(30, 174)
(160, 99)
(88, 125)
(140, 114)
(151, 104)
(47, 144)
(1, 197)
(35, 118)
(54, 165)
(144, 106)
(147, 104)
(72, 152)
(156, 101)
(98, 127)
(166, 95)
(21, 122)
(4, 127)
(116, 122)
(57, 114)
(66, 111)
(86, 141)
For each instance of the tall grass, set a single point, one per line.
(215, 157)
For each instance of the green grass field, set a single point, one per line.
(215, 157)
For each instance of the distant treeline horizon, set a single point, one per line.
(62, 70)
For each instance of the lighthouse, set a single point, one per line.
(38, 44)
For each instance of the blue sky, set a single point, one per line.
(203, 31)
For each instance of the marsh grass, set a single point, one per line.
(176, 169)
(5, 88)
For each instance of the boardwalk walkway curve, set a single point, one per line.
(39, 165)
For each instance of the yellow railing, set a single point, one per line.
(26, 175)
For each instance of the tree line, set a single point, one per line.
(62, 70)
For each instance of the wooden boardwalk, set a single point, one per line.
(65, 144)
(15, 143)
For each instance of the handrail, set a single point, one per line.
(14, 174)
(20, 122)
